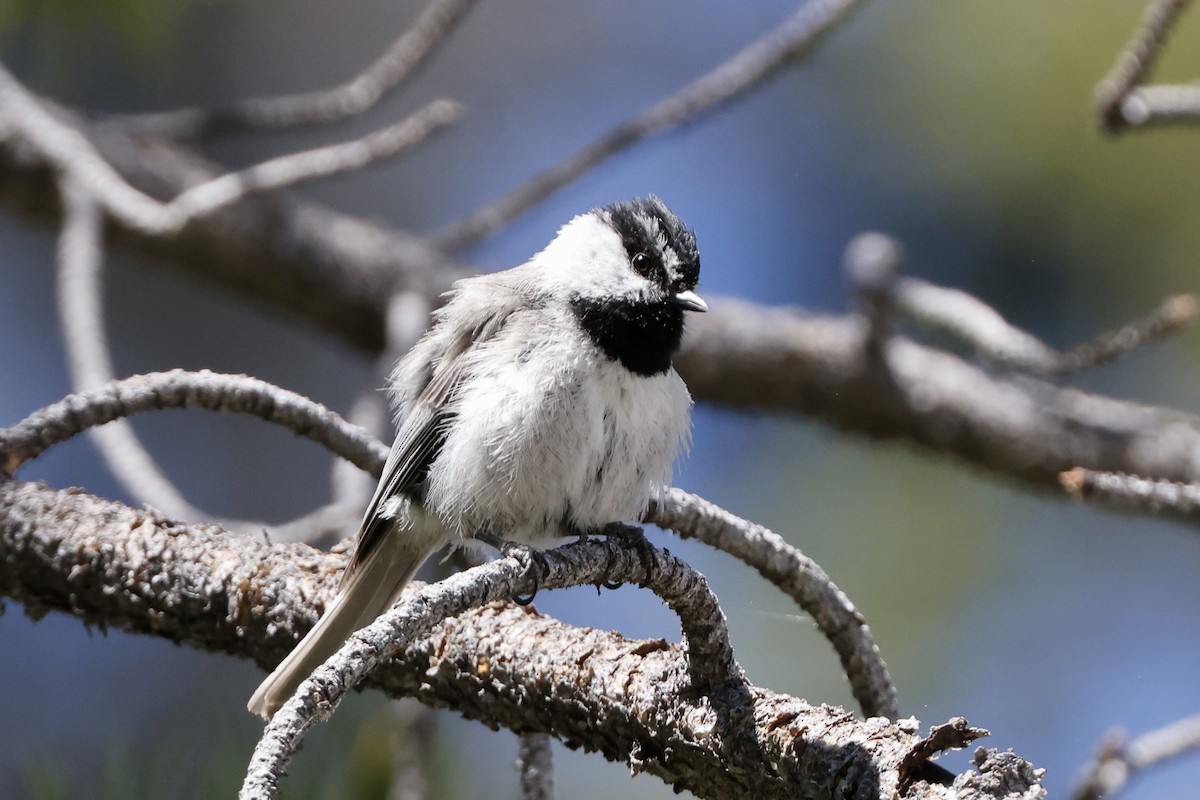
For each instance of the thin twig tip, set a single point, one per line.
(1074, 481)
(1180, 309)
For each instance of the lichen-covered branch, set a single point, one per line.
(676, 510)
(710, 667)
(508, 666)
(1134, 493)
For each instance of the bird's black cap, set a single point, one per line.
(647, 226)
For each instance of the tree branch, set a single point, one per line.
(72, 155)
(748, 356)
(1135, 493)
(536, 762)
(1116, 108)
(1162, 104)
(342, 272)
(733, 77)
(687, 514)
(796, 575)
(1119, 759)
(873, 264)
(710, 667)
(335, 269)
(178, 388)
(354, 96)
(503, 665)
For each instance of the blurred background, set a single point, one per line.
(963, 129)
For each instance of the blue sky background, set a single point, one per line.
(963, 129)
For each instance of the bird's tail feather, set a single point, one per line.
(368, 592)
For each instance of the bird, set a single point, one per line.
(542, 402)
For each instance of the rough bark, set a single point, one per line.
(111, 565)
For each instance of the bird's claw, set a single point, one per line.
(527, 556)
(630, 536)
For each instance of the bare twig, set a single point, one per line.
(1163, 104)
(316, 163)
(800, 578)
(1133, 66)
(1133, 492)
(536, 763)
(72, 155)
(80, 313)
(710, 658)
(182, 389)
(1119, 760)
(412, 750)
(1171, 314)
(743, 71)
(327, 105)
(970, 320)
(103, 408)
(873, 262)
(80, 262)
(304, 258)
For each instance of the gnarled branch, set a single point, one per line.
(115, 566)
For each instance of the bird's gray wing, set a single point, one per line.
(423, 429)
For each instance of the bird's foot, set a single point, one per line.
(630, 536)
(528, 557)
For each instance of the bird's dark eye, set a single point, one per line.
(642, 263)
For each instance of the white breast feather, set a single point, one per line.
(554, 434)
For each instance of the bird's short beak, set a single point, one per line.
(689, 300)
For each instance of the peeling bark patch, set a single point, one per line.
(953, 735)
(785, 718)
(650, 646)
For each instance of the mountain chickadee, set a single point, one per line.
(541, 403)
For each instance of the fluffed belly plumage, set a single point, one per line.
(581, 460)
